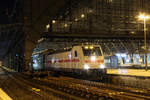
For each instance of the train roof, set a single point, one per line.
(59, 51)
(52, 51)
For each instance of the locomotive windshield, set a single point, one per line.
(95, 51)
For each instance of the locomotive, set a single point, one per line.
(82, 60)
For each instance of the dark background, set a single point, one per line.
(6, 8)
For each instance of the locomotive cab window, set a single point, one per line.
(95, 51)
(75, 54)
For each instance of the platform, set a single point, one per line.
(3, 95)
(129, 72)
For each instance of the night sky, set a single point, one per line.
(6, 7)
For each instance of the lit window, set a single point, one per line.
(48, 26)
(82, 15)
(66, 25)
(53, 21)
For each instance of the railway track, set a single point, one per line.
(44, 91)
(93, 90)
(76, 89)
(20, 88)
(16, 90)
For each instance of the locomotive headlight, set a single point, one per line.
(93, 58)
(91, 47)
(86, 66)
(102, 66)
(86, 47)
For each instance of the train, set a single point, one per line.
(79, 60)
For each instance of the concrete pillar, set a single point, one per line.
(37, 14)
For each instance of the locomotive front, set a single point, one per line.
(93, 58)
